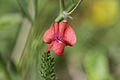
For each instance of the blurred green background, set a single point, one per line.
(96, 55)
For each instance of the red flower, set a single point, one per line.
(58, 36)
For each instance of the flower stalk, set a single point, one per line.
(61, 6)
(66, 12)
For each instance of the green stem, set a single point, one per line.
(70, 10)
(79, 2)
(61, 6)
(61, 15)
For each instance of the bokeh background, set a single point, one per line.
(96, 55)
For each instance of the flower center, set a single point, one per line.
(58, 37)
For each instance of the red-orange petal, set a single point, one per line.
(69, 36)
(62, 27)
(56, 27)
(58, 48)
(49, 35)
(49, 47)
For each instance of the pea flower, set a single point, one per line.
(59, 35)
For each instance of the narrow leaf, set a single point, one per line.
(24, 9)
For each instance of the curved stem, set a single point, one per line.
(75, 7)
(68, 11)
(61, 15)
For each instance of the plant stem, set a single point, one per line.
(69, 11)
(61, 15)
(61, 6)
(75, 7)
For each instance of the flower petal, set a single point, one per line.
(49, 47)
(69, 36)
(49, 35)
(58, 48)
(56, 27)
(62, 27)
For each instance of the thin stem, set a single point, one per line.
(61, 6)
(75, 7)
(61, 15)
(68, 11)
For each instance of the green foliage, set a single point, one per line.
(5, 20)
(96, 65)
(47, 67)
(24, 9)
